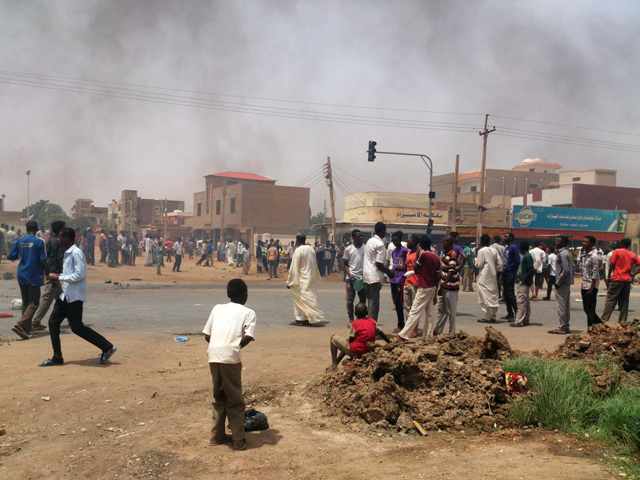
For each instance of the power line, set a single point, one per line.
(566, 142)
(566, 125)
(219, 94)
(517, 131)
(217, 106)
(148, 95)
(90, 88)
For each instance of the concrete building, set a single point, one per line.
(11, 218)
(530, 174)
(84, 208)
(132, 213)
(596, 176)
(411, 208)
(594, 188)
(238, 205)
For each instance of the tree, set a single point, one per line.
(318, 219)
(45, 212)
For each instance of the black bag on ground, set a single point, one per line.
(255, 421)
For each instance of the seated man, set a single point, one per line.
(361, 338)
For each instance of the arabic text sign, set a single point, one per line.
(557, 218)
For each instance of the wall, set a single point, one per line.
(224, 195)
(509, 182)
(590, 177)
(606, 198)
(551, 197)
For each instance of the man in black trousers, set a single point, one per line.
(70, 302)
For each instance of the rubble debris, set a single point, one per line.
(451, 382)
(620, 342)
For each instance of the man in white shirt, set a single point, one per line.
(230, 327)
(552, 258)
(353, 259)
(539, 261)
(374, 268)
(70, 302)
(178, 249)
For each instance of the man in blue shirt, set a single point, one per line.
(70, 303)
(512, 254)
(31, 252)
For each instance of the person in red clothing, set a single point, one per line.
(427, 272)
(409, 289)
(362, 337)
(621, 274)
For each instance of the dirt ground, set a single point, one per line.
(147, 416)
(190, 273)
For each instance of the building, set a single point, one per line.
(84, 208)
(598, 176)
(11, 218)
(131, 213)
(412, 208)
(238, 205)
(528, 175)
(595, 188)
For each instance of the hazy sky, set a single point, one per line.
(574, 63)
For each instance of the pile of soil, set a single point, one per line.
(447, 383)
(619, 342)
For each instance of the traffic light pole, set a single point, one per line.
(429, 164)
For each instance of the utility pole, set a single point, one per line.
(164, 219)
(328, 175)
(484, 133)
(28, 173)
(525, 195)
(454, 222)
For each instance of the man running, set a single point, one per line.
(70, 303)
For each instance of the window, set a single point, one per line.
(575, 179)
(218, 204)
(232, 206)
(199, 210)
(474, 188)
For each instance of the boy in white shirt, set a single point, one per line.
(230, 327)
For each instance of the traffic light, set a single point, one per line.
(372, 150)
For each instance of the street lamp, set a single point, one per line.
(28, 173)
(427, 163)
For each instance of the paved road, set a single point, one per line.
(178, 310)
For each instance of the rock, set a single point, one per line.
(3, 431)
(46, 398)
(495, 345)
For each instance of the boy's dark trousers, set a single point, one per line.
(73, 313)
(227, 401)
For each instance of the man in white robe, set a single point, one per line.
(303, 275)
(489, 264)
(148, 254)
(231, 254)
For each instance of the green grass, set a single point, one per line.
(562, 396)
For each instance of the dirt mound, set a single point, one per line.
(452, 382)
(620, 342)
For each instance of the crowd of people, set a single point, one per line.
(421, 277)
